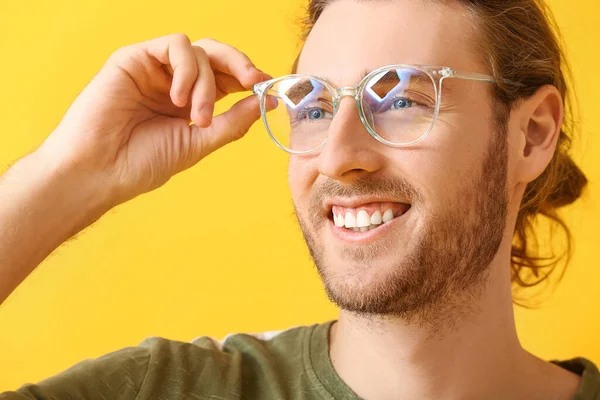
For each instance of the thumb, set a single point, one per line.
(227, 127)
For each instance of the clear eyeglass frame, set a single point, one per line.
(436, 73)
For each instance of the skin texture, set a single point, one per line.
(426, 308)
(442, 257)
(411, 264)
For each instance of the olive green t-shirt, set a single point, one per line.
(293, 364)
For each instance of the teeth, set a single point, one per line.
(361, 222)
(387, 216)
(376, 218)
(362, 219)
(350, 220)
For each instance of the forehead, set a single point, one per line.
(354, 36)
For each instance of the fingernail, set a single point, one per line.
(272, 103)
(206, 112)
(178, 99)
(264, 73)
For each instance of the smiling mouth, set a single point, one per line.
(366, 217)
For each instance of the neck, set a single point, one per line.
(474, 357)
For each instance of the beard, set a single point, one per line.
(443, 268)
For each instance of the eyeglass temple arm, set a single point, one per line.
(476, 76)
(473, 76)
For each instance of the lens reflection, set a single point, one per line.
(303, 113)
(398, 104)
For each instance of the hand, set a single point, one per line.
(129, 129)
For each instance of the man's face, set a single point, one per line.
(447, 193)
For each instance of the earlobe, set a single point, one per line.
(543, 115)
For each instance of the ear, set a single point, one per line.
(541, 118)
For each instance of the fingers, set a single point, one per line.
(202, 74)
(227, 127)
(229, 60)
(204, 90)
(227, 84)
(176, 51)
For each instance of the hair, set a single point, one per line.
(520, 43)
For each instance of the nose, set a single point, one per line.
(350, 151)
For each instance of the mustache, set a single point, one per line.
(386, 187)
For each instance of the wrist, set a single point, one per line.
(41, 206)
(66, 197)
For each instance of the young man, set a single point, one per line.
(422, 143)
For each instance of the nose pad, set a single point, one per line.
(368, 114)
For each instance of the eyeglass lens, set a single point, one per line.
(398, 105)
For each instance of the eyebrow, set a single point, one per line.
(363, 74)
(448, 88)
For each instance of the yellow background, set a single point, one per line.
(216, 250)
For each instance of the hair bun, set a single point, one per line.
(571, 184)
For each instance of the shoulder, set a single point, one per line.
(590, 377)
(163, 368)
(156, 368)
(241, 363)
(259, 351)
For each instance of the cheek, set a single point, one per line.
(451, 157)
(302, 173)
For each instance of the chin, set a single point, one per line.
(362, 270)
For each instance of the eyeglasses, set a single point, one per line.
(397, 104)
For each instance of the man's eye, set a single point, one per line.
(402, 103)
(313, 114)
